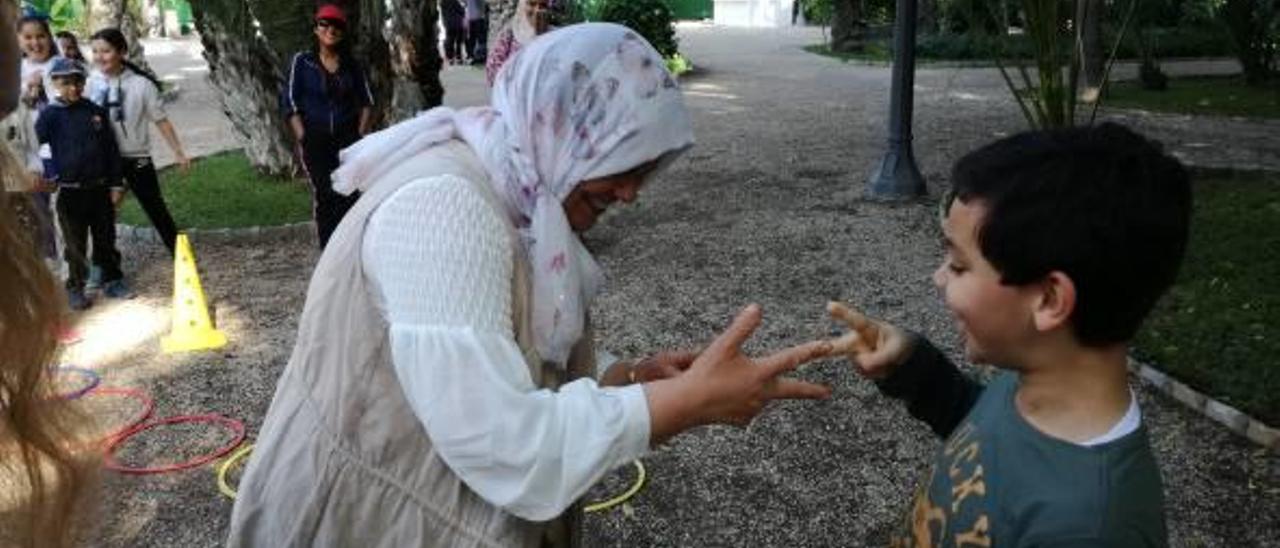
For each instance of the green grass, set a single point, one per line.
(1225, 95)
(224, 191)
(874, 52)
(1218, 329)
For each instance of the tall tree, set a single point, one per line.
(414, 58)
(246, 72)
(849, 26)
(1089, 14)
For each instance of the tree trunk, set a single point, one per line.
(1254, 46)
(928, 18)
(414, 58)
(368, 19)
(848, 28)
(247, 73)
(1090, 13)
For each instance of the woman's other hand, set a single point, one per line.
(663, 365)
(875, 348)
(724, 386)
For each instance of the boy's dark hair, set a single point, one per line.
(1103, 205)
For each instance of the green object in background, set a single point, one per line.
(590, 10)
(1211, 95)
(63, 14)
(691, 9)
(224, 191)
(182, 8)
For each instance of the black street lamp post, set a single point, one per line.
(898, 177)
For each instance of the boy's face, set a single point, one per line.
(69, 88)
(995, 319)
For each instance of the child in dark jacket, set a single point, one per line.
(87, 167)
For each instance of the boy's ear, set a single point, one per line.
(1056, 302)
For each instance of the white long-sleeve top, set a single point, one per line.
(439, 258)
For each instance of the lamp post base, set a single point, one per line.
(897, 178)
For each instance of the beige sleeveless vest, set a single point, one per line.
(341, 460)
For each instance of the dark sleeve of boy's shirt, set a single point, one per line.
(46, 125)
(43, 126)
(933, 388)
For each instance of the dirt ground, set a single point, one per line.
(767, 208)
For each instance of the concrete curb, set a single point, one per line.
(1230, 417)
(146, 235)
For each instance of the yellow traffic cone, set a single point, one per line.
(192, 328)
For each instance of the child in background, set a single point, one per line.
(70, 46)
(38, 54)
(87, 168)
(132, 98)
(1058, 244)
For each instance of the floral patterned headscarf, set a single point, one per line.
(578, 103)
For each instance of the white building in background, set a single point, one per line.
(754, 13)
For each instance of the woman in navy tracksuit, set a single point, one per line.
(329, 106)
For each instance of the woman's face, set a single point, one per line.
(330, 33)
(589, 200)
(107, 57)
(35, 42)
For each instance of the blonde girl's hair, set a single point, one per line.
(46, 467)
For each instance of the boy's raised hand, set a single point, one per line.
(874, 347)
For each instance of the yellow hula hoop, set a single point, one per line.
(606, 504)
(226, 465)
(600, 506)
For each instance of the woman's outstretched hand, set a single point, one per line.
(727, 387)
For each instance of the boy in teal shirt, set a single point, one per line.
(1058, 244)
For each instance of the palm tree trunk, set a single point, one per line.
(247, 73)
(414, 58)
(848, 28)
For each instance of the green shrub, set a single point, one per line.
(817, 12)
(651, 18)
(1164, 42)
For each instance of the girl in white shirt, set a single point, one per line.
(38, 54)
(132, 96)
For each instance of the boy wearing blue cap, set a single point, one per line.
(87, 168)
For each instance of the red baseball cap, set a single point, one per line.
(331, 12)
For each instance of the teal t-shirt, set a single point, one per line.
(997, 481)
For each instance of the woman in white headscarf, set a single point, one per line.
(441, 390)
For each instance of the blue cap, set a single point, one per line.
(65, 67)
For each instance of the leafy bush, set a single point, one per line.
(653, 19)
(1255, 28)
(817, 11)
(1164, 42)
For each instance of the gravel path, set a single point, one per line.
(766, 209)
